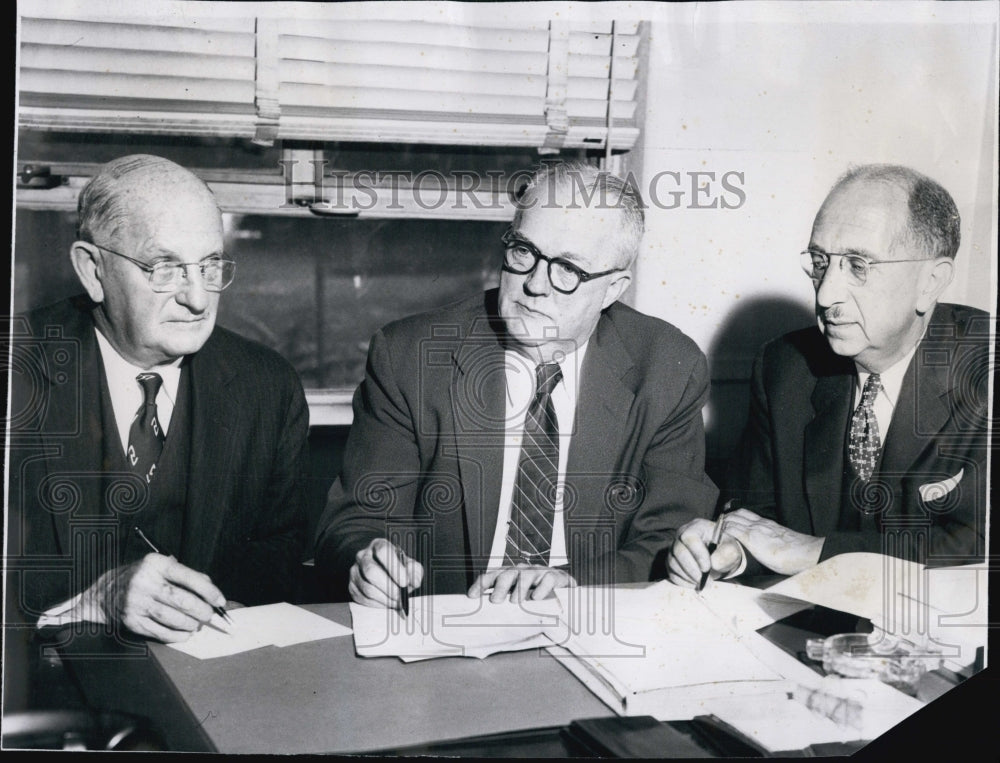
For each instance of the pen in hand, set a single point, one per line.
(712, 545)
(404, 591)
(220, 611)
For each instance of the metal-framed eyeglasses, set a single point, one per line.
(166, 276)
(855, 267)
(521, 257)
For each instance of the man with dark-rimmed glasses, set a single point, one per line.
(870, 433)
(541, 435)
(138, 424)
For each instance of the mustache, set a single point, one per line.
(832, 315)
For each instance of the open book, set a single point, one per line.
(665, 651)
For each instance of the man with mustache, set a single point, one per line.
(132, 409)
(537, 436)
(870, 432)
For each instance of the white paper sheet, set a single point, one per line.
(278, 625)
(452, 625)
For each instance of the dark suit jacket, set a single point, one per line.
(792, 456)
(424, 457)
(249, 425)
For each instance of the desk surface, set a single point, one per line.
(320, 697)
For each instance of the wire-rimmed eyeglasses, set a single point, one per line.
(216, 272)
(854, 266)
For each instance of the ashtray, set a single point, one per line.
(892, 660)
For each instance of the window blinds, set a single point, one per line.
(555, 85)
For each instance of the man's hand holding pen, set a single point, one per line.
(382, 575)
(705, 550)
(157, 597)
(691, 558)
(778, 548)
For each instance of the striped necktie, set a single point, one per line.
(529, 533)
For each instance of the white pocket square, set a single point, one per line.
(934, 491)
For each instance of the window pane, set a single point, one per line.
(316, 290)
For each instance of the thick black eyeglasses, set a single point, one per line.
(857, 268)
(216, 273)
(521, 257)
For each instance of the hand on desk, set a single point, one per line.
(689, 556)
(157, 597)
(380, 571)
(521, 583)
(782, 550)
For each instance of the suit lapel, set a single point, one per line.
(76, 411)
(478, 388)
(922, 411)
(602, 412)
(215, 439)
(824, 447)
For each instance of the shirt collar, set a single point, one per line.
(569, 366)
(892, 378)
(120, 372)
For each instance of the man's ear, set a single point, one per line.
(934, 281)
(89, 267)
(617, 287)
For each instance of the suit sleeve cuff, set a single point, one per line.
(741, 568)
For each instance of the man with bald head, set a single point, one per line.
(869, 431)
(540, 435)
(138, 424)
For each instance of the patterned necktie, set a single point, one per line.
(529, 532)
(145, 437)
(865, 443)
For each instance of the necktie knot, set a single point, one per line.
(873, 385)
(150, 384)
(547, 376)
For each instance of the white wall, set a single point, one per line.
(790, 95)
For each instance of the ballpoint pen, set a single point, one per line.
(731, 505)
(712, 545)
(220, 611)
(404, 592)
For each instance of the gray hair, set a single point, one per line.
(933, 224)
(592, 183)
(103, 205)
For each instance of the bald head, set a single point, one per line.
(126, 190)
(928, 219)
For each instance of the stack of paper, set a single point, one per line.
(255, 627)
(452, 626)
(661, 650)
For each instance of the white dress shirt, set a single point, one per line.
(520, 374)
(126, 392)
